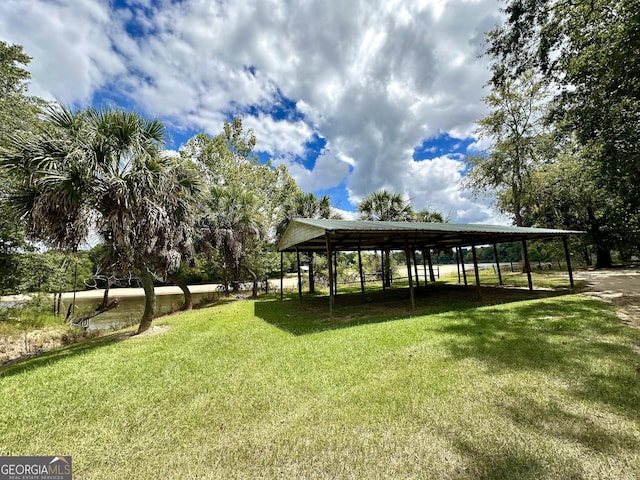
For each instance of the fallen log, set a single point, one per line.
(83, 320)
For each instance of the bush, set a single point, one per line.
(32, 314)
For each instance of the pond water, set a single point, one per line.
(131, 307)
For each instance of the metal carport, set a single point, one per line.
(329, 236)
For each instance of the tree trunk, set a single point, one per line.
(83, 320)
(188, 300)
(235, 285)
(603, 254)
(387, 268)
(517, 207)
(430, 263)
(225, 278)
(254, 279)
(58, 306)
(75, 280)
(105, 297)
(603, 257)
(149, 302)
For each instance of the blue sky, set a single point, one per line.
(352, 96)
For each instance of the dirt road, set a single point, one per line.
(620, 287)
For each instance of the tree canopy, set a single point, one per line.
(586, 51)
(385, 206)
(245, 201)
(18, 110)
(18, 113)
(519, 141)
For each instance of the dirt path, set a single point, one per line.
(621, 287)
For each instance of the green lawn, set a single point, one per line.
(540, 278)
(522, 385)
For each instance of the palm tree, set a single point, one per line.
(306, 205)
(229, 163)
(429, 216)
(235, 222)
(385, 207)
(104, 170)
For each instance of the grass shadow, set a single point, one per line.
(564, 368)
(311, 315)
(578, 342)
(86, 345)
(51, 356)
(508, 464)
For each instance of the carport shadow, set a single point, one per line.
(311, 314)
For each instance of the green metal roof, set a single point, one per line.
(311, 235)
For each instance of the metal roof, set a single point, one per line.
(310, 235)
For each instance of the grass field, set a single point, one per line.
(521, 385)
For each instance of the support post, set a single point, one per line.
(281, 276)
(407, 254)
(330, 266)
(476, 271)
(335, 272)
(464, 271)
(312, 279)
(458, 262)
(384, 283)
(527, 265)
(495, 254)
(424, 265)
(360, 270)
(299, 277)
(415, 269)
(430, 262)
(568, 258)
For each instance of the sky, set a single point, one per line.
(353, 96)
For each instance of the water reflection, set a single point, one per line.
(130, 309)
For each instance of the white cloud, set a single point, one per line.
(70, 42)
(279, 137)
(328, 171)
(435, 185)
(346, 215)
(480, 145)
(373, 78)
